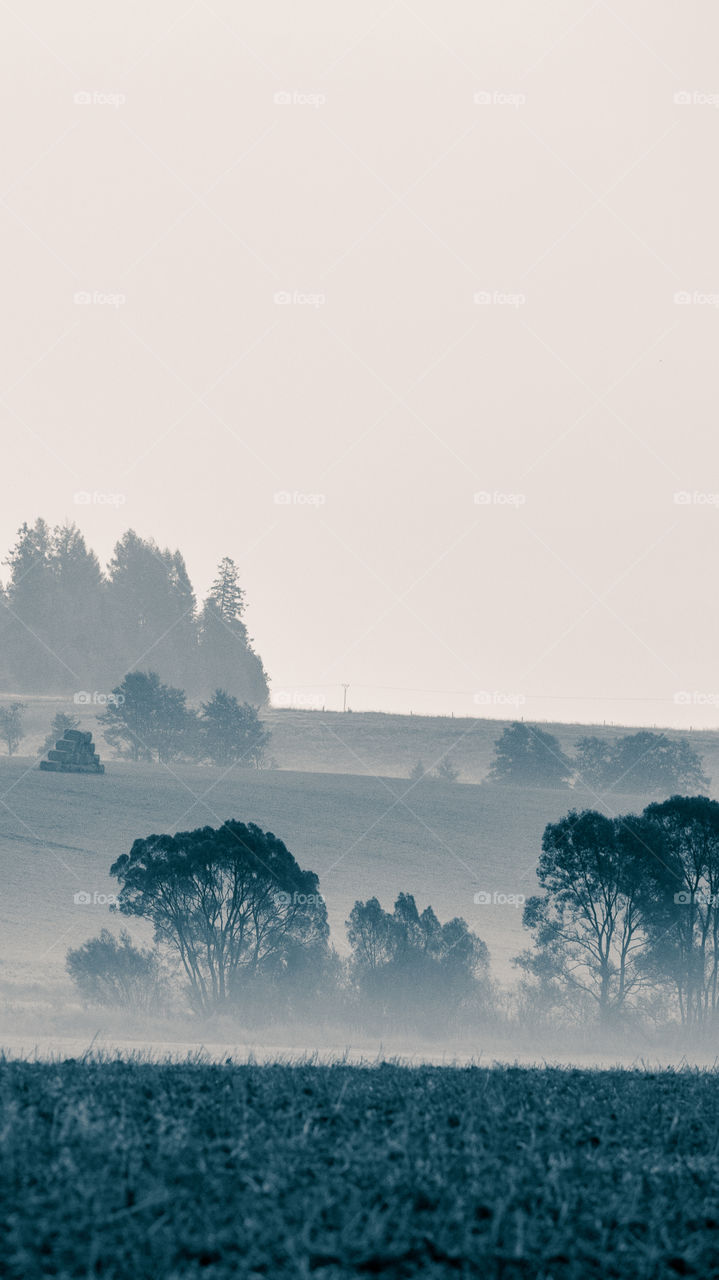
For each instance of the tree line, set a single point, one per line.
(642, 763)
(629, 917)
(625, 931)
(68, 625)
(243, 926)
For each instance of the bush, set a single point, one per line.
(112, 971)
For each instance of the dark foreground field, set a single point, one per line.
(122, 1169)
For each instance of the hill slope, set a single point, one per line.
(364, 836)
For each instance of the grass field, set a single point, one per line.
(120, 1169)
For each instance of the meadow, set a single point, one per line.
(131, 1168)
(364, 836)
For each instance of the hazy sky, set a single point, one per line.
(482, 216)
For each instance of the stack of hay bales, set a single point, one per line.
(74, 753)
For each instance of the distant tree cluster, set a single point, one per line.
(148, 720)
(642, 763)
(240, 922)
(67, 625)
(630, 909)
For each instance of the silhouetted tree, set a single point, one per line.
(445, 771)
(643, 763)
(230, 733)
(112, 971)
(151, 608)
(60, 722)
(147, 719)
(228, 902)
(227, 659)
(409, 965)
(527, 756)
(588, 926)
(681, 906)
(12, 730)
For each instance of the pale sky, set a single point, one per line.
(482, 216)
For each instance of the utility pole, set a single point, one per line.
(344, 700)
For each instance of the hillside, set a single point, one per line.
(372, 742)
(364, 836)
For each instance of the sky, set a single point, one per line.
(410, 308)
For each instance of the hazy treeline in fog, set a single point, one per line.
(67, 624)
(623, 938)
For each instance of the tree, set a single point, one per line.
(408, 964)
(643, 763)
(34, 662)
(588, 933)
(11, 725)
(146, 719)
(230, 733)
(418, 772)
(682, 902)
(593, 763)
(529, 757)
(60, 722)
(151, 607)
(112, 971)
(227, 659)
(650, 762)
(445, 771)
(229, 902)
